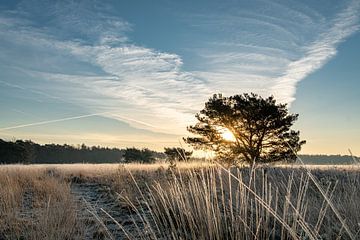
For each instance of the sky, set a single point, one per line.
(134, 72)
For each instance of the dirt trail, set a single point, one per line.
(95, 196)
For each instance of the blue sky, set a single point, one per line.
(134, 73)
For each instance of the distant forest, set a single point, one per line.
(21, 151)
(329, 159)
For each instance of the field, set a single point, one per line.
(191, 201)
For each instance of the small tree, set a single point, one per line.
(138, 155)
(246, 128)
(177, 154)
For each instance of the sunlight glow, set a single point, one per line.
(228, 135)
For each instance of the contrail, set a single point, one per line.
(51, 121)
(126, 119)
(32, 90)
(76, 117)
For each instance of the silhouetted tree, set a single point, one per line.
(28, 148)
(177, 154)
(260, 128)
(139, 155)
(11, 152)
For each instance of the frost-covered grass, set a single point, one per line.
(194, 201)
(34, 204)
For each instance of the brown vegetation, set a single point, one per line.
(194, 201)
(36, 204)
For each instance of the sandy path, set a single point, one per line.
(94, 197)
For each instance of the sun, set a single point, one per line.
(227, 135)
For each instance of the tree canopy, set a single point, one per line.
(139, 155)
(177, 154)
(246, 128)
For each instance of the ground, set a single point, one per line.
(195, 200)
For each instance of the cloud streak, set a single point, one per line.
(318, 52)
(270, 53)
(51, 121)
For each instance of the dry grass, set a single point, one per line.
(36, 204)
(196, 201)
(267, 203)
(87, 169)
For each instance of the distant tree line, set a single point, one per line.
(322, 159)
(140, 155)
(177, 154)
(21, 151)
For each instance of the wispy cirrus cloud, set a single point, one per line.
(85, 55)
(318, 52)
(146, 87)
(271, 51)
